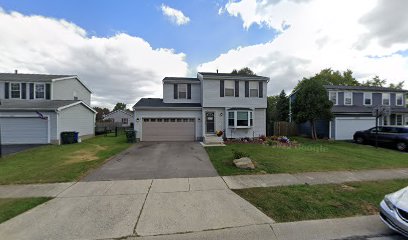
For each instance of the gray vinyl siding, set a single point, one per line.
(117, 118)
(377, 99)
(358, 98)
(211, 96)
(168, 94)
(76, 118)
(66, 89)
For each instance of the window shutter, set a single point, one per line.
(246, 88)
(175, 91)
(6, 90)
(260, 89)
(221, 88)
(31, 89)
(23, 90)
(236, 88)
(47, 91)
(189, 91)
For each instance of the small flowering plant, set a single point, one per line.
(219, 133)
(283, 139)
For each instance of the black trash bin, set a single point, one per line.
(69, 137)
(131, 136)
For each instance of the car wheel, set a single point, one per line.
(402, 146)
(359, 140)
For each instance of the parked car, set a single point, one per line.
(394, 136)
(394, 211)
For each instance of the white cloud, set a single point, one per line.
(317, 34)
(175, 16)
(121, 68)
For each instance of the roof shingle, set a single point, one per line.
(30, 77)
(158, 103)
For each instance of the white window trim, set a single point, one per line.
(402, 120)
(236, 119)
(10, 95)
(35, 90)
(382, 99)
(337, 97)
(371, 98)
(344, 100)
(178, 91)
(233, 87)
(396, 101)
(256, 88)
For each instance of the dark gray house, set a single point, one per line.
(353, 110)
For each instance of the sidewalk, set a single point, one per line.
(214, 183)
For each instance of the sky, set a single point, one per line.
(123, 49)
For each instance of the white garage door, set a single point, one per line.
(24, 130)
(346, 126)
(168, 129)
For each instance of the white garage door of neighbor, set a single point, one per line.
(24, 130)
(347, 126)
(168, 129)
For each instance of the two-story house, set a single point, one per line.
(36, 108)
(195, 108)
(354, 109)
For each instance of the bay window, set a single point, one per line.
(386, 99)
(398, 119)
(40, 90)
(399, 99)
(240, 119)
(15, 89)
(229, 88)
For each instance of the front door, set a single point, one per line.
(209, 122)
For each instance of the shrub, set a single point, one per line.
(262, 137)
(238, 154)
(270, 142)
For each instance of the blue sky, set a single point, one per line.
(207, 35)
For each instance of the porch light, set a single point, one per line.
(137, 119)
(220, 114)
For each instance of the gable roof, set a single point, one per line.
(227, 76)
(364, 88)
(39, 105)
(158, 103)
(28, 77)
(119, 110)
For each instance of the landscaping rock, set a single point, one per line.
(244, 163)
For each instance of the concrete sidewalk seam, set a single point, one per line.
(141, 210)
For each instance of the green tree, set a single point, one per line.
(329, 77)
(271, 113)
(282, 107)
(399, 85)
(119, 106)
(375, 82)
(100, 112)
(311, 103)
(244, 71)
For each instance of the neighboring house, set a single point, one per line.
(36, 108)
(353, 108)
(124, 117)
(195, 108)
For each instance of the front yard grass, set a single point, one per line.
(321, 155)
(63, 163)
(11, 207)
(306, 202)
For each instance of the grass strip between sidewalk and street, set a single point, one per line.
(309, 156)
(11, 207)
(59, 163)
(307, 202)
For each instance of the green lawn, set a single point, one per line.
(63, 163)
(11, 207)
(296, 203)
(322, 155)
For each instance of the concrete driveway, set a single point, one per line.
(155, 160)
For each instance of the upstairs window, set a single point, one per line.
(399, 99)
(333, 97)
(39, 91)
(229, 88)
(368, 98)
(15, 90)
(348, 98)
(253, 89)
(182, 91)
(125, 121)
(386, 99)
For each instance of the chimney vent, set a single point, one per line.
(16, 71)
(217, 70)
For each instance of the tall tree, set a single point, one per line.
(329, 77)
(100, 112)
(119, 106)
(282, 107)
(271, 113)
(399, 85)
(311, 103)
(244, 71)
(375, 82)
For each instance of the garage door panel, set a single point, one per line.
(168, 131)
(347, 126)
(24, 130)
